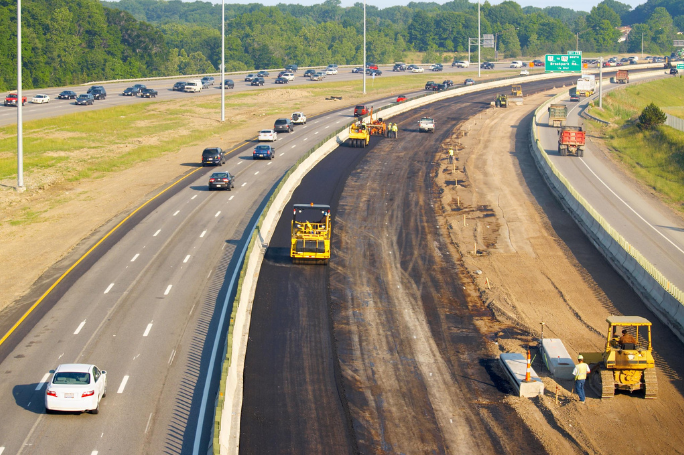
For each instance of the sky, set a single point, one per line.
(577, 5)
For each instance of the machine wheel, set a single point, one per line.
(650, 383)
(580, 152)
(607, 382)
(562, 151)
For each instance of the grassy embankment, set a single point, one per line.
(654, 157)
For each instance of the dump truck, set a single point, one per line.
(358, 135)
(571, 141)
(501, 100)
(622, 77)
(516, 90)
(557, 114)
(626, 362)
(586, 85)
(310, 234)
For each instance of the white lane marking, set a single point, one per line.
(338, 121)
(109, 288)
(306, 138)
(209, 274)
(187, 258)
(135, 257)
(284, 153)
(43, 381)
(316, 132)
(155, 234)
(217, 214)
(2, 449)
(80, 326)
(202, 234)
(292, 147)
(173, 354)
(62, 355)
(94, 452)
(231, 198)
(239, 163)
(177, 212)
(633, 211)
(244, 184)
(123, 384)
(193, 197)
(256, 172)
(269, 163)
(168, 289)
(147, 330)
(149, 419)
(327, 127)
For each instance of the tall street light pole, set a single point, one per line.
(479, 38)
(223, 60)
(364, 47)
(20, 129)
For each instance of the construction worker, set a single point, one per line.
(394, 130)
(627, 338)
(389, 129)
(451, 156)
(580, 372)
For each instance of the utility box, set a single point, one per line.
(515, 367)
(556, 358)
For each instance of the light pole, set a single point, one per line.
(223, 60)
(20, 130)
(364, 47)
(642, 45)
(479, 38)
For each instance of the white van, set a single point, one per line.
(194, 85)
(516, 64)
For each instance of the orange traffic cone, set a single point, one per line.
(529, 368)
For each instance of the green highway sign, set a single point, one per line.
(560, 63)
(680, 66)
(574, 52)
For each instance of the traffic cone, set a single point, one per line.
(528, 377)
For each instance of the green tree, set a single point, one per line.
(651, 117)
(510, 44)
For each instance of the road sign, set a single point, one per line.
(559, 63)
(487, 40)
(678, 43)
(574, 52)
(680, 66)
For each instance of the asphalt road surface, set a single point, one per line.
(306, 354)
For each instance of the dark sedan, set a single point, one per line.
(487, 66)
(257, 81)
(221, 181)
(357, 70)
(67, 95)
(85, 99)
(281, 80)
(179, 86)
(131, 91)
(262, 74)
(309, 72)
(228, 83)
(148, 93)
(263, 151)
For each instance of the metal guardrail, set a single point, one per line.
(675, 122)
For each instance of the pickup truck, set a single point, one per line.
(11, 99)
(148, 93)
(557, 114)
(571, 140)
(426, 124)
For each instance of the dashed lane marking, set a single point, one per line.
(147, 330)
(109, 288)
(135, 257)
(244, 184)
(80, 326)
(202, 234)
(43, 381)
(217, 214)
(156, 233)
(187, 258)
(193, 197)
(123, 384)
(168, 289)
(256, 172)
(176, 213)
(231, 198)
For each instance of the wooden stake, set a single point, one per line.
(556, 394)
(475, 250)
(464, 223)
(458, 201)
(487, 281)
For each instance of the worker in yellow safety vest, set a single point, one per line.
(451, 156)
(580, 372)
(394, 130)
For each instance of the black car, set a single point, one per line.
(372, 72)
(228, 83)
(487, 66)
(221, 181)
(257, 81)
(263, 151)
(98, 93)
(148, 93)
(437, 67)
(448, 83)
(674, 71)
(262, 74)
(131, 91)
(207, 80)
(429, 85)
(281, 80)
(291, 68)
(85, 99)
(283, 124)
(95, 87)
(308, 73)
(67, 95)
(213, 155)
(357, 70)
(399, 67)
(179, 86)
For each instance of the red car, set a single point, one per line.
(360, 110)
(401, 98)
(12, 98)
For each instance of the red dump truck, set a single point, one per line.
(571, 141)
(622, 77)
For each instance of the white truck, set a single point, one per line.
(586, 85)
(193, 86)
(426, 124)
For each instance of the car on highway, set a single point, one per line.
(309, 72)
(448, 82)
(283, 124)
(12, 99)
(130, 91)
(85, 99)
(429, 84)
(298, 118)
(358, 69)
(267, 135)
(249, 77)
(674, 71)
(436, 67)
(263, 151)
(399, 66)
(401, 98)
(374, 72)
(99, 92)
(288, 75)
(291, 68)
(280, 80)
(371, 66)
(316, 77)
(221, 181)
(257, 81)
(94, 87)
(262, 74)
(40, 99)
(214, 156)
(331, 71)
(461, 64)
(516, 64)
(417, 69)
(67, 95)
(179, 87)
(207, 80)
(574, 98)
(469, 82)
(524, 73)
(538, 62)
(228, 83)
(148, 93)
(360, 110)
(487, 66)
(76, 387)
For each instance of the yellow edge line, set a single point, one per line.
(46, 293)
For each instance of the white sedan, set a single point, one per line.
(524, 73)
(298, 118)
(76, 387)
(331, 71)
(418, 69)
(268, 135)
(40, 99)
(289, 76)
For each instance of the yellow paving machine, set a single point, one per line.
(358, 135)
(310, 234)
(376, 127)
(627, 362)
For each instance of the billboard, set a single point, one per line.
(561, 63)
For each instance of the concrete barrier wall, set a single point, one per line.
(659, 294)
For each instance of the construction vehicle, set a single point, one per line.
(501, 100)
(571, 140)
(426, 124)
(624, 366)
(310, 234)
(375, 126)
(557, 115)
(358, 135)
(516, 90)
(586, 85)
(622, 77)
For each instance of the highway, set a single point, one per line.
(643, 221)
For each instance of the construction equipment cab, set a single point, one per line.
(310, 234)
(516, 90)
